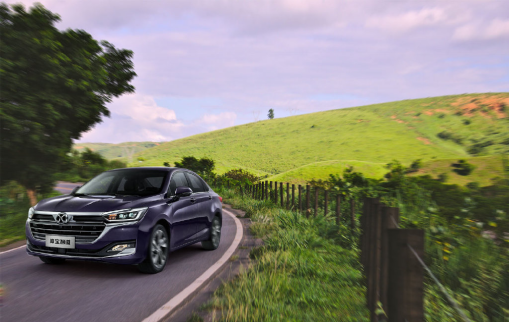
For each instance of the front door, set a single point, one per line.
(183, 218)
(203, 203)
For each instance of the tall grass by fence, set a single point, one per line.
(391, 257)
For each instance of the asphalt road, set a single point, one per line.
(90, 291)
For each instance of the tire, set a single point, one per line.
(215, 235)
(157, 254)
(52, 260)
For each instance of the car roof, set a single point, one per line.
(168, 169)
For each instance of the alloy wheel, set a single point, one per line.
(159, 249)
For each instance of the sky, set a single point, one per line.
(207, 65)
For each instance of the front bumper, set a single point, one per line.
(98, 250)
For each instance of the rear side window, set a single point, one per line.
(178, 180)
(196, 183)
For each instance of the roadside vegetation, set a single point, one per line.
(467, 248)
(83, 166)
(307, 269)
(14, 200)
(14, 204)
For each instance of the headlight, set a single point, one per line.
(31, 212)
(125, 215)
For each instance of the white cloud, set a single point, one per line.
(409, 20)
(495, 29)
(137, 117)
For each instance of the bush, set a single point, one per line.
(241, 175)
(446, 135)
(463, 168)
(443, 177)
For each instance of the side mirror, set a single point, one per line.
(74, 190)
(183, 191)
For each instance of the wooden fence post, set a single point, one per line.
(266, 190)
(281, 193)
(275, 192)
(406, 283)
(293, 196)
(287, 195)
(389, 220)
(316, 201)
(263, 190)
(326, 202)
(308, 210)
(338, 209)
(253, 190)
(373, 260)
(300, 199)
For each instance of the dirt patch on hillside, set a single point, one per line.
(483, 105)
(428, 112)
(424, 140)
(395, 118)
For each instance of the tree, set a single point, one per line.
(271, 114)
(203, 166)
(55, 85)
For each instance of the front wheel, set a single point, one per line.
(215, 235)
(52, 260)
(157, 251)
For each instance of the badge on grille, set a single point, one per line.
(62, 218)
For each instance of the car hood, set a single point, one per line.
(69, 203)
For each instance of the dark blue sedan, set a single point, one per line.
(127, 216)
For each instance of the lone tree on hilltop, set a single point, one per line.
(271, 114)
(55, 86)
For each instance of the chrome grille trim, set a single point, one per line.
(83, 232)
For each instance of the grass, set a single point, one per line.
(486, 169)
(308, 274)
(299, 148)
(115, 151)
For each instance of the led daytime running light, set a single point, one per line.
(125, 215)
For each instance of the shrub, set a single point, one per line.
(442, 177)
(446, 135)
(241, 175)
(463, 168)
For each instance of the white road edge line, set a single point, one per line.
(10, 250)
(167, 308)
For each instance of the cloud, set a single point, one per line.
(409, 20)
(137, 117)
(495, 29)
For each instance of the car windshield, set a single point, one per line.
(125, 182)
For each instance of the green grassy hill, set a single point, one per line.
(298, 148)
(116, 151)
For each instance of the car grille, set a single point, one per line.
(85, 229)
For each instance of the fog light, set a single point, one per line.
(119, 248)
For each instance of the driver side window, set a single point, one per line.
(178, 179)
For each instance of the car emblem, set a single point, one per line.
(62, 218)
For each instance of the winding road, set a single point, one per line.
(91, 291)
